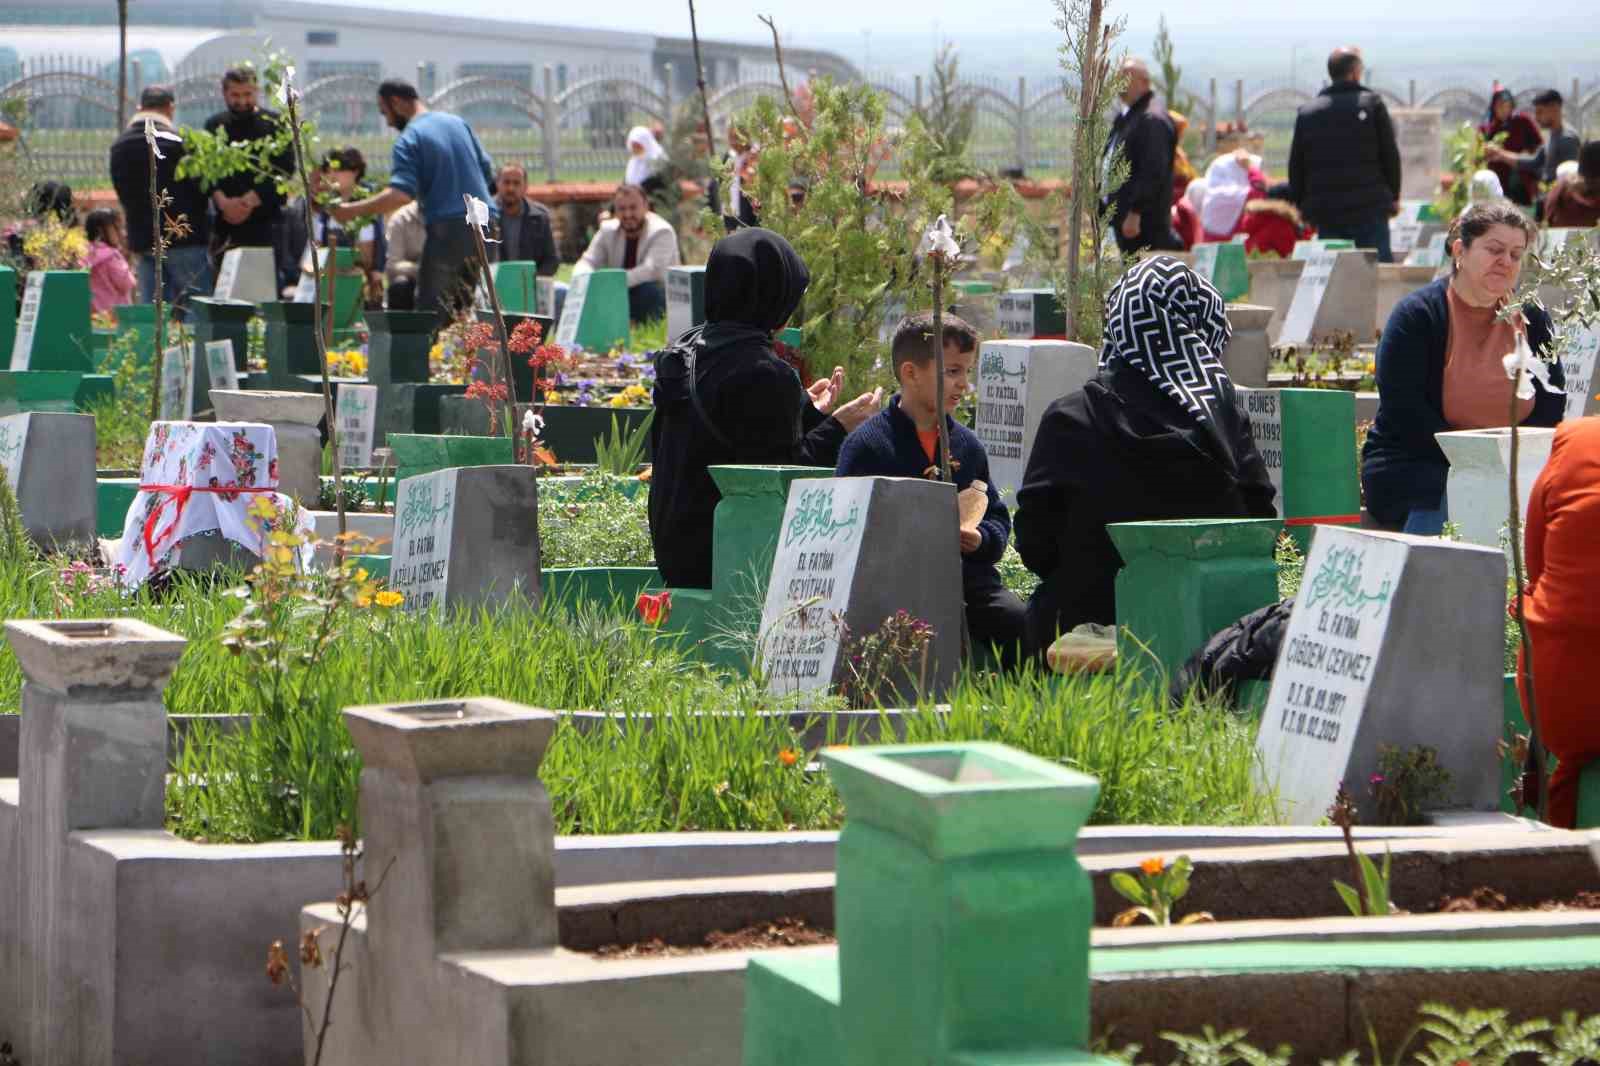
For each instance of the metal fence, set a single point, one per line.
(576, 130)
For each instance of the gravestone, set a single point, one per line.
(221, 320)
(1577, 365)
(1432, 254)
(1016, 381)
(221, 371)
(686, 299)
(976, 302)
(1307, 439)
(291, 342)
(1419, 134)
(1305, 249)
(466, 536)
(294, 418)
(894, 309)
(48, 459)
(1030, 314)
(247, 274)
(1225, 267)
(1394, 640)
(1478, 485)
(1337, 293)
(842, 568)
(8, 309)
(357, 415)
(53, 330)
(1248, 356)
(177, 385)
(595, 317)
(516, 283)
(1409, 228)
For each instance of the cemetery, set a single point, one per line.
(349, 713)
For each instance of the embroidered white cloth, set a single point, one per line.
(200, 477)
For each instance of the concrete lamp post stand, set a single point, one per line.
(294, 417)
(93, 755)
(962, 914)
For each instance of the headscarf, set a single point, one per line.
(640, 167)
(754, 278)
(1166, 321)
(1196, 195)
(1227, 189)
(1485, 186)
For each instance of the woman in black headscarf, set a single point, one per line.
(723, 396)
(1154, 435)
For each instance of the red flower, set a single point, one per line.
(654, 608)
(482, 390)
(526, 336)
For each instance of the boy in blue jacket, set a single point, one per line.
(903, 441)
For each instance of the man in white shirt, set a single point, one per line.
(639, 241)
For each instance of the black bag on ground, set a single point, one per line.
(1245, 651)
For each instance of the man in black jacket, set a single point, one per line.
(249, 206)
(1344, 165)
(1141, 215)
(187, 266)
(526, 232)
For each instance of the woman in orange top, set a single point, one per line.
(1562, 607)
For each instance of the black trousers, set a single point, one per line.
(997, 619)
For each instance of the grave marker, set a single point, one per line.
(1577, 364)
(219, 365)
(516, 282)
(1309, 292)
(1305, 249)
(8, 309)
(686, 299)
(53, 330)
(1307, 439)
(27, 322)
(1431, 254)
(894, 309)
(1405, 229)
(1016, 381)
(1419, 134)
(1224, 266)
(306, 291)
(466, 536)
(357, 415)
(177, 386)
(842, 558)
(247, 274)
(595, 317)
(1337, 292)
(1394, 640)
(1030, 314)
(48, 459)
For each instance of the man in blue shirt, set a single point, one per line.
(437, 160)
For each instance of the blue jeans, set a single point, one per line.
(185, 272)
(1373, 234)
(1426, 521)
(647, 301)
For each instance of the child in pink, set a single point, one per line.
(111, 281)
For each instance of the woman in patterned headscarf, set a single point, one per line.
(1155, 434)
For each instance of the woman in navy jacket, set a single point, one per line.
(1438, 369)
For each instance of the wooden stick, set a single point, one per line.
(700, 80)
(499, 325)
(156, 249)
(937, 259)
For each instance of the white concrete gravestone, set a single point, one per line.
(220, 366)
(852, 553)
(306, 291)
(246, 274)
(1419, 134)
(357, 416)
(466, 536)
(27, 321)
(1431, 254)
(572, 312)
(177, 385)
(1478, 486)
(1405, 229)
(1577, 366)
(686, 299)
(1016, 381)
(1337, 293)
(1309, 292)
(894, 310)
(1394, 640)
(48, 459)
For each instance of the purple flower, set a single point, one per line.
(1375, 780)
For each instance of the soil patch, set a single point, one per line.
(782, 933)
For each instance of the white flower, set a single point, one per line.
(286, 91)
(478, 215)
(152, 133)
(940, 239)
(1523, 367)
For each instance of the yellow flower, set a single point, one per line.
(388, 598)
(361, 575)
(1154, 866)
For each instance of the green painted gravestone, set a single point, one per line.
(53, 330)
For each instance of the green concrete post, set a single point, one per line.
(962, 915)
(397, 350)
(1030, 314)
(1224, 266)
(219, 320)
(8, 312)
(139, 322)
(39, 390)
(516, 282)
(745, 528)
(416, 453)
(1307, 437)
(598, 302)
(1183, 581)
(291, 342)
(63, 338)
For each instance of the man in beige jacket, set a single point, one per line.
(639, 241)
